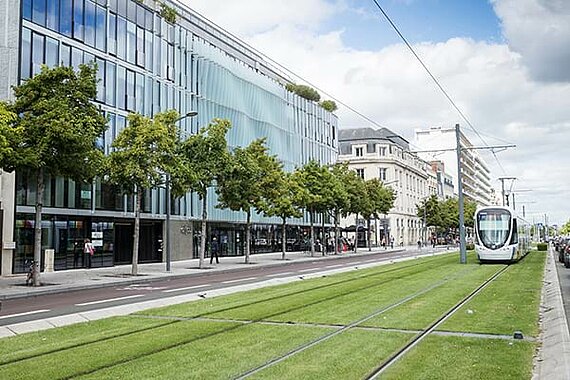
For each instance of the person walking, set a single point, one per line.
(214, 248)
(392, 242)
(89, 250)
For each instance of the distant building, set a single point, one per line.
(380, 153)
(476, 174)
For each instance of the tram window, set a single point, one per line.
(515, 237)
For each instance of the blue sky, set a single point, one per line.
(418, 20)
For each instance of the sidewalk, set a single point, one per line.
(78, 279)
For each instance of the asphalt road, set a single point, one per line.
(52, 305)
(564, 278)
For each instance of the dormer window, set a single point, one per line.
(359, 151)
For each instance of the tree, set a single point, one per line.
(54, 134)
(315, 192)
(341, 176)
(142, 153)
(356, 191)
(249, 177)
(431, 209)
(565, 229)
(204, 157)
(379, 200)
(281, 203)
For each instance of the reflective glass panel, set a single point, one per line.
(89, 23)
(494, 227)
(53, 14)
(65, 19)
(26, 54)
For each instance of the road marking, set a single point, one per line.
(308, 270)
(334, 266)
(109, 300)
(187, 288)
(279, 274)
(26, 313)
(241, 279)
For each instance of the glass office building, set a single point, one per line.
(148, 65)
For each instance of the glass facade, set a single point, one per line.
(148, 65)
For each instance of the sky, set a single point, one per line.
(505, 63)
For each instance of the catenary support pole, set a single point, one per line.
(462, 249)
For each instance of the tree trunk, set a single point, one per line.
(312, 234)
(138, 198)
(203, 232)
(323, 240)
(247, 235)
(283, 239)
(369, 235)
(38, 229)
(337, 247)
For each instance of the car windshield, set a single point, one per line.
(494, 227)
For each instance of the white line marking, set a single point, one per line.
(26, 313)
(334, 266)
(109, 300)
(187, 288)
(279, 274)
(238, 280)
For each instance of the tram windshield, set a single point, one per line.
(493, 227)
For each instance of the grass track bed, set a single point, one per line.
(450, 358)
(217, 357)
(86, 358)
(508, 304)
(421, 311)
(350, 355)
(40, 342)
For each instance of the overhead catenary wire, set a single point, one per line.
(436, 81)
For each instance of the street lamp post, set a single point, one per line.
(168, 201)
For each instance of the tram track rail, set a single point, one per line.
(174, 319)
(431, 328)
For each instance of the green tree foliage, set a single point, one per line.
(248, 179)
(204, 157)
(281, 202)
(142, 153)
(565, 229)
(379, 200)
(55, 132)
(303, 91)
(168, 13)
(10, 134)
(329, 105)
(316, 195)
(341, 175)
(444, 214)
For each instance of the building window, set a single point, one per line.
(382, 174)
(359, 151)
(360, 172)
(382, 151)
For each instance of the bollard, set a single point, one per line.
(49, 257)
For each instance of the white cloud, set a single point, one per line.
(540, 31)
(247, 17)
(490, 83)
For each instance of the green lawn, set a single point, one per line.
(446, 357)
(508, 304)
(218, 340)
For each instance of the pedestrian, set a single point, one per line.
(384, 243)
(392, 242)
(419, 244)
(214, 248)
(89, 250)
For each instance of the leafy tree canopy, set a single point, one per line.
(57, 125)
(143, 152)
(204, 156)
(379, 199)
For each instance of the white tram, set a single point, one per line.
(500, 235)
